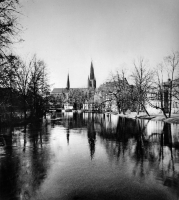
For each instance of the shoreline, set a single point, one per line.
(20, 122)
(174, 119)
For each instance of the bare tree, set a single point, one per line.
(176, 89)
(172, 62)
(38, 86)
(77, 97)
(163, 92)
(157, 96)
(121, 92)
(9, 27)
(8, 94)
(22, 73)
(143, 80)
(118, 90)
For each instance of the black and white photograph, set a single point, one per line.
(89, 99)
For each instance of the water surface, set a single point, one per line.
(90, 156)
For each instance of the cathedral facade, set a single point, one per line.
(76, 98)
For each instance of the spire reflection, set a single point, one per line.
(91, 136)
(68, 135)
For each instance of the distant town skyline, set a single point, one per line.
(69, 34)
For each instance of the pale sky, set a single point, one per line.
(68, 34)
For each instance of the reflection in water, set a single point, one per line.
(24, 162)
(9, 168)
(91, 136)
(68, 135)
(52, 161)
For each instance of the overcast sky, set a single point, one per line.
(68, 34)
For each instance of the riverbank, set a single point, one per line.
(18, 122)
(158, 117)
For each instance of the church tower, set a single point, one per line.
(68, 83)
(92, 79)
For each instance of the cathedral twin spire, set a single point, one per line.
(92, 72)
(91, 79)
(68, 83)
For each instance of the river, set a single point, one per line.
(90, 156)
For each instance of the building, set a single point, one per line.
(76, 98)
(112, 92)
(159, 97)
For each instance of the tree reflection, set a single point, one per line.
(9, 167)
(35, 161)
(127, 143)
(25, 163)
(166, 141)
(141, 142)
(130, 140)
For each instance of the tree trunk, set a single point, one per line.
(170, 103)
(145, 110)
(164, 113)
(138, 109)
(11, 108)
(25, 114)
(162, 106)
(119, 109)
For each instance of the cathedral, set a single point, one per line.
(68, 97)
(92, 79)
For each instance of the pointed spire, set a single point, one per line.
(91, 72)
(68, 83)
(88, 82)
(94, 83)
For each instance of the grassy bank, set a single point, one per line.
(173, 119)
